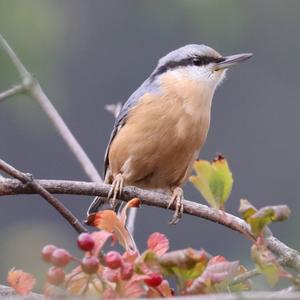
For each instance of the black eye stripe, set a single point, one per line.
(190, 61)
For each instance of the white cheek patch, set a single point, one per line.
(178, 74)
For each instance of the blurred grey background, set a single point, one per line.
(90, 53)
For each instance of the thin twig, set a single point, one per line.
(11, 92)
(288, 256)
(32, 87)
(245, 276)
(28, 180)
(14, 58)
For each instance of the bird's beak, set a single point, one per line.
(232, 60)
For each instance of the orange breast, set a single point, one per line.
(163, 135)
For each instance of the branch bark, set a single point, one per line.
(27, 180)
(288, 256)
(11, 92)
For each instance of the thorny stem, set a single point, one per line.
(28, 180)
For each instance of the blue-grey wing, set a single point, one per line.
(147, 87)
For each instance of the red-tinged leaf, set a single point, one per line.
(111, 275)
(135, 202)
(216, 259)
(108, 220)
(158, 243)
(134, 288)
(21, 281)
(215, 277)
(185, 259)
(222, 271)
(163, 290)
(109, 293)
(100, 238)
(130, 257)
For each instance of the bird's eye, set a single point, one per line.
(197, 61)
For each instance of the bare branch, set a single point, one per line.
(11, 92)
(33, 88)
(24, 74)
(287, 255)
(28, 181)
(38, 94)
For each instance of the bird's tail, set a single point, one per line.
(101, 203)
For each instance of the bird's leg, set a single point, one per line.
(115, 190)
(177, 197)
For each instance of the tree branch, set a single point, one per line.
(27, 180)
(11, 92)
(32, 87)
(24, 74)
(288, 256)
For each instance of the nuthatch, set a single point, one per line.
(162, 127)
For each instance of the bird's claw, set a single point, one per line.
(115, 190)
(177, 198)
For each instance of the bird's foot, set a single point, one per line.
(177, 198)
(116, 190)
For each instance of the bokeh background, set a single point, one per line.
(90, 53)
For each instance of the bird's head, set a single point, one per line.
(197, 62)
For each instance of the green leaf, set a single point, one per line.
(213, 180)
(266, 263)
(246, 209)
(215, 278)
(259, 219)
(185, 265)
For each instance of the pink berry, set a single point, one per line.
(126, 271)
(154, 279)
(90, 264)
(85, 242)
(47, 252)
(60, 257)
(113, 260)
(55, 275)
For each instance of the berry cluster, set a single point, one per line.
(118, 268)
(60, 258)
